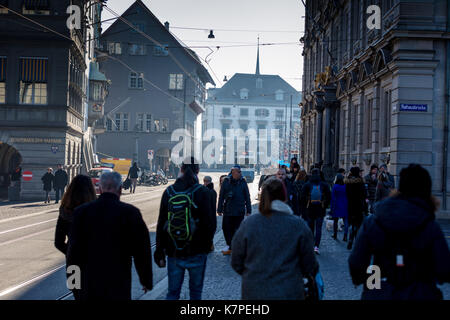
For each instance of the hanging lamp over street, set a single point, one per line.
(211, 35)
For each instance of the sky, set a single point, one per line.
(250, 17)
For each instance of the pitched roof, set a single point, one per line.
(266, 94)
(202, 71)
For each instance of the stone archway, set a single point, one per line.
(10, 158)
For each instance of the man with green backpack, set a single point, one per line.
(185, 231)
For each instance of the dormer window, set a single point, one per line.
(259, 83)
(244, 94)
(279, 95)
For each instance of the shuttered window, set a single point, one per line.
(33, 80)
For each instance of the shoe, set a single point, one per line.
(316, 250)
(226, 252)
(345, 238)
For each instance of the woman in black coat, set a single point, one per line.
(356, 195)
(80, 191)
(298, 206)
(48, 180)
(403, 239)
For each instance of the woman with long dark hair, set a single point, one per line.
(356, 196)
(273, 250)
(81, 190)
(298, 206)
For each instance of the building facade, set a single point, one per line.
(254, 101)
(43, 89)
(157, 86)
(377, 95)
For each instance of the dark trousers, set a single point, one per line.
(59, 192)
(315, 224)
(230, 224)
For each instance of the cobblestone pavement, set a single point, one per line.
(222, 283)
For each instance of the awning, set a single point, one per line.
(2, 68)
(33, 69)
(36, 4)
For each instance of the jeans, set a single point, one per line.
(176, 267)
(58, 192)
(317, 231)
(133, 185)
(230, 224)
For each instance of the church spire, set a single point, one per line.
(257, 60)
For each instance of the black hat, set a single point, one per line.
(374, 166)
(415, 181)
(315, 172)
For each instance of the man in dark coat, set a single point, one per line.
(371, 181)
(405, 242)
(356, 196)
(234, 204)
(193, 256)
(60, 182)
(315, 212)
(207, 182)
(105, 235)
(133, 174)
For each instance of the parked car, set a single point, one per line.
(95, 174)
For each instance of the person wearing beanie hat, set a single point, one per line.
(357, 206)
(404, 240)
(371, 180)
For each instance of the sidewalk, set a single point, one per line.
(223, 283)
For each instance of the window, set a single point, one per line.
(125, 121)
(262, 112)
(226, 112)
(156, 125)
(38, 7)
(259, 83)
(296, 115)
(368, 124)
(243, 112)
(148, 120)
(279, 95)
(161, 51)
(136, 49)
(33, 81)
(136, 80)
(353, 131)
(225, 127)
(96, 91)
(117, 122)
(279, 114)
(139, 26)
(2, 79)
(385, 119)
(176, 81)
(140, 121)
(108, 125)
(164, 125)
(115, 48)
(244, 94)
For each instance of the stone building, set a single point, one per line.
(157, 86)
(377, 95)
(44, 89)
(255, 101)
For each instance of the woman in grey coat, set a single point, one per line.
(273, 250)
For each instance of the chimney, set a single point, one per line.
(166, 24)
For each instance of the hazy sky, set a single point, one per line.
(259, 16)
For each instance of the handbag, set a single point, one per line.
(126, 183)
(314, 287)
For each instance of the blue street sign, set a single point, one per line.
(414, 107)
(55, 149)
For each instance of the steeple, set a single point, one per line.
(257, 60)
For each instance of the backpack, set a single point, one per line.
(180, 223)
(407, 264)
(315, 195)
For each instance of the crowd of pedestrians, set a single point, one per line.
(274, 249)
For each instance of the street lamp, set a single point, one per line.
(211, 35)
